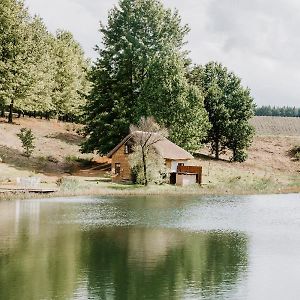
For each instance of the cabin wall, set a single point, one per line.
(120, 157)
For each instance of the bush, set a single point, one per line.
(239, 156)
(27, 139)
(156, 169)
(295, 152)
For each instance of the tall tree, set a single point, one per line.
(141, 72)
(229, 106)
(70, 82)
(14, 49)
(41, 68)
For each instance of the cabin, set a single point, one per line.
(177, 160)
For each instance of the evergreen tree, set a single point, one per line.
(229, 106)
(141, 72)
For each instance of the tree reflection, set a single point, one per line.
(162, 264)
(37, 261)
(41, 259)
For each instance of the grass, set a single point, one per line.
(59, 163)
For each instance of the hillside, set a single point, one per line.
(269, 167)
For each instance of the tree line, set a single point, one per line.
(285, 111)
(143, 70)
(41, 74)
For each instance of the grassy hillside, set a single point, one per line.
(269, 168)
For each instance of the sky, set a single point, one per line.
(258, 40)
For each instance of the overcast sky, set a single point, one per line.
(257, 39)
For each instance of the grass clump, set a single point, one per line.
(68, 184)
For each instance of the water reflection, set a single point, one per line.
(37, 261)
(46, 254)
(162, 264)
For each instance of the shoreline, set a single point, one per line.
(152, 190)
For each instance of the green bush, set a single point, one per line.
(27, 139)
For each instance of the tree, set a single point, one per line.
(145, 162)
(70, 82)
(229, 106)
(41, 69)
(14, 49)
(140, 71)
(27, 138)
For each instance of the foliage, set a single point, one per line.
(14, 47)
(27, 139)
(285, 111)
(39, 73)
(155, 166)
(140, 71)
(147, 165)
(229, 106)
(70, 84)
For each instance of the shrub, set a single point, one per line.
(27, 139)
(295, 152)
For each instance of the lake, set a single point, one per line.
(175, 247)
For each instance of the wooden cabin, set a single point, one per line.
(175, 157)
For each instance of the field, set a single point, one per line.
(282, 126)
(57, 159)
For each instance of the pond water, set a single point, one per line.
(151, 248)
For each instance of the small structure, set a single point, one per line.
(187, 175)
(175, 158)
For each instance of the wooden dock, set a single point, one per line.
(26, 190)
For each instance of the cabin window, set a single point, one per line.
(117, 168)
(126, 150)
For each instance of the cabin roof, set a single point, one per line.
(165, 148)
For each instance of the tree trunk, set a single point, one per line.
(234, 152)
(2, 113)
(10, 115)
(145, 168)
(217, 148)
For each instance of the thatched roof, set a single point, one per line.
(165, 148)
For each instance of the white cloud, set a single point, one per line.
(257, 39)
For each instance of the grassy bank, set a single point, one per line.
(270, 167)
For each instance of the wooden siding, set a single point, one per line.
(119, 157)
(191, 170)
